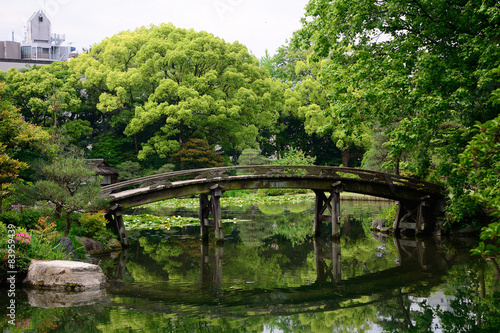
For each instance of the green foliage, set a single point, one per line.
(409, 68)
(163, 85)
(129, 170)
(281, 191)
(45, 230)
(92, 224)
(46, 95)
(114, 148)
(491, 250)
(475, 179)
(77, 130)
(389, 214)
(27, 219)
(15, 133)
(70, 185)
(196, 154)
(3, 230)
(251, 156)
(152, 222)
(294, 157)
(10, 218)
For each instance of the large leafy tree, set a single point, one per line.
(412, 68)
(300, 125)
(164, 85)
(15, 134)
(47, 96)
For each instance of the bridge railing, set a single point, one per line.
(273, 171)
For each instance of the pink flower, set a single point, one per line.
(22, 237)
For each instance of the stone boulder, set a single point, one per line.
(65, 275)
(91, 245)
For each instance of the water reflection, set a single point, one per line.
(272, 275)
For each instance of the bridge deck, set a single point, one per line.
(165, 186)
(414, 195)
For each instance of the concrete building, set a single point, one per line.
(40, 45)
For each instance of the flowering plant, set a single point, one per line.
(45, 229)
(23, 238)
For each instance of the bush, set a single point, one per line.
(46, 250)
(3, 230)
(236, 193)
(45, 229)
(93, 224)
(281, 191)
(29, 218)
(10, 218)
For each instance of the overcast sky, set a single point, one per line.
(258, 24)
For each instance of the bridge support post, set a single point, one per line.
(332, 203)
(115, 216)
(211, 206)
(323, 270)
(413, 216)
(337, 189)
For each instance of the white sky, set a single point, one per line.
(258, 24)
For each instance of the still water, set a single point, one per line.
(272, 276)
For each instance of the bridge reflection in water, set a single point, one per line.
(420, 265)
(418, 260)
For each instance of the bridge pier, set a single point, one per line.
(115, 217)
(323, 270)
(330, 203)
(211, 206)
(413, 216)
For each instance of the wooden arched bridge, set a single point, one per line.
(419, 202)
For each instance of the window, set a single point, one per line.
(26, 52)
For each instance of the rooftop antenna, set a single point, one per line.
(12, 34)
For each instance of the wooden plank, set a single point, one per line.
(407, 225)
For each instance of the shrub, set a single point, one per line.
(10, 218)
(3, 230)
(41, 248)
(46, 230)
(93, 223)
(281, 191)
(29, 218)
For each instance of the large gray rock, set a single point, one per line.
(91, 245)
(65, 275)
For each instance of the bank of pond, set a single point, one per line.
(272, 275)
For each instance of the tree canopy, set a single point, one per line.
(165, 85)
(412, 68)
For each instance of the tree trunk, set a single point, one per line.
(58, 212)
(346, 156)
(396, 171)
(68, 224)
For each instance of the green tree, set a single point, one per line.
(475, 181)
(408, 67)
(47, 95)
(297, 124)
(165, 85)
(196, 153)
(252, 157)
(309, 101)
(294, 157)
(15, 134)
(70, 185)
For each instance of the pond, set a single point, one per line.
(271, 275)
